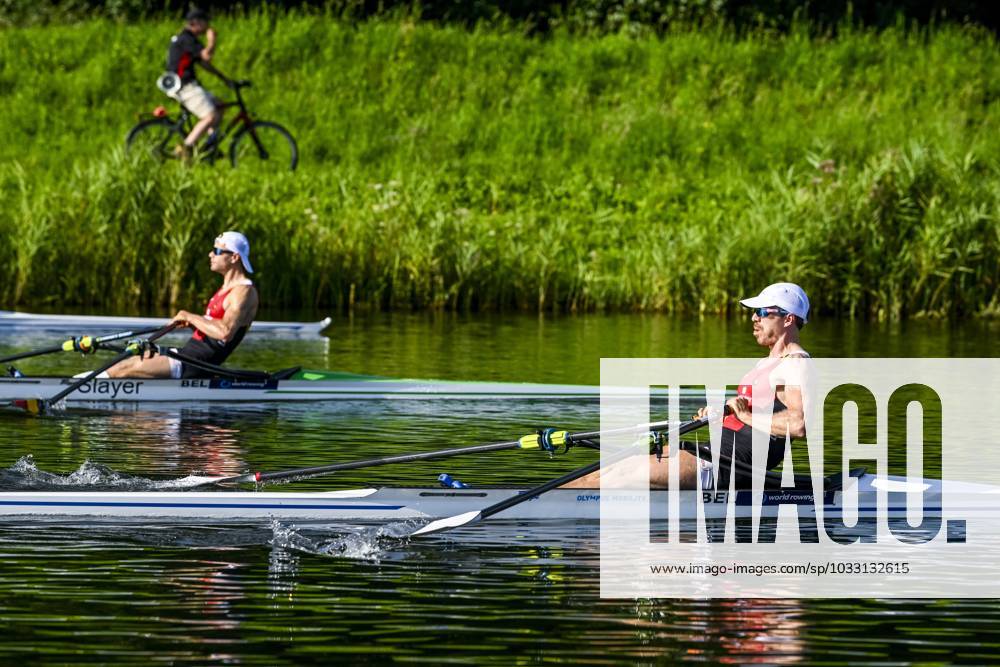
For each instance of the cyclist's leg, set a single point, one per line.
(201, 103)
(220, 111)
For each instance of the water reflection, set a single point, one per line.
(722, 631)
(481, 596)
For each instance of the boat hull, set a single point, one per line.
(392, 504)
(304, 386)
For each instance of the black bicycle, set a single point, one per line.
(255, 142)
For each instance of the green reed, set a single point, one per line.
(443, 168)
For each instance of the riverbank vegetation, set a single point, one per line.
(443, 167)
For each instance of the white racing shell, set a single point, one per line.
(859, 498)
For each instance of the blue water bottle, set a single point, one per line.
(445, 480)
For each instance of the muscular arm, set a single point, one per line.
(792, 420)
(241, 307)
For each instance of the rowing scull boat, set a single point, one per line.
(291, 386)
(388, 503)
(97, 324)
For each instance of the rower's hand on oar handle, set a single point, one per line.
(182, 319)
(740, 406)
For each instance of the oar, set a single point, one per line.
(37, 406)
(473, 517)
(531, 441)
(84, 344)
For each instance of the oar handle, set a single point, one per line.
(163, 331)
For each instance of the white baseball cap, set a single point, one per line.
(787, 296)
(238, 244)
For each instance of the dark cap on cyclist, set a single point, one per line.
(197, 14)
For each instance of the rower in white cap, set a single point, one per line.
(778, 313)
(227, 317)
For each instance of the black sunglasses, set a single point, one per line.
(221, 251)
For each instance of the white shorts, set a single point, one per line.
(176, 367)
(197, 100)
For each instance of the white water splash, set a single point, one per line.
(24, 473)
(367, 543)
(24, 466)
(88, 474)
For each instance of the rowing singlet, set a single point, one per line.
(737, 437)
(211, 350)
(754, 384)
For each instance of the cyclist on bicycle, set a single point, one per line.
(184, 53)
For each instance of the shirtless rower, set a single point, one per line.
(778, 313)
(227, 317)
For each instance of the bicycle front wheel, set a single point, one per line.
(155, 138)
(264, 145)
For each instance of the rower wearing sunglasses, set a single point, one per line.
(778, 314)
(219, 331)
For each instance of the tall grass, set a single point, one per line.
(443, 168)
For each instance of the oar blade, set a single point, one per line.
(448, 523)
(190, 482)
(196, 481)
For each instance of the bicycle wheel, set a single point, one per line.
(265, 146)
(154, 138)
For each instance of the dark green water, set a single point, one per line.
(281, 595)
